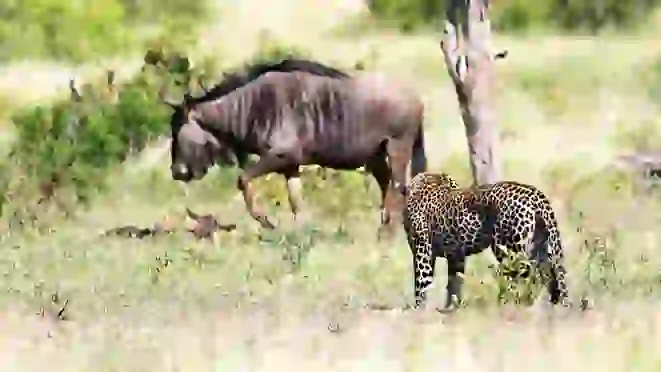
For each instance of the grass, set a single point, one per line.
(296, 297)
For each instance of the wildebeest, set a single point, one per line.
(299, 118)
(234, 80)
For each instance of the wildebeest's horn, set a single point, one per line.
(192, 214)
(201, 84)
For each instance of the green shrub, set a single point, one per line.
(76, 30)
(271, 49)
(510, 15)
(61, 145)
(595, 15)
(74, 143)
(408, 14)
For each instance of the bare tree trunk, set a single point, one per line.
(471, 75)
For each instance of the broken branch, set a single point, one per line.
(501, 55)
(449, 47)
(75, 94)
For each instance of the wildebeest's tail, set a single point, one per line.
(419, 158)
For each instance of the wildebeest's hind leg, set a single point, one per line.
(456, 261)
(378, 167)
(399, 155)
(266, 164)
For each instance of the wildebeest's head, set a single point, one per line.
(194, 149)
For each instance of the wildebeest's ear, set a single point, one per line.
(201, 84)
(75, 95)
(187, 98)
(212, 140)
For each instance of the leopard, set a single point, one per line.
(444, 220)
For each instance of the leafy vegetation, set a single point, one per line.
(80, 30)
(73, 143)
(516, 15)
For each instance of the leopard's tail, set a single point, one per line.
(547, 241)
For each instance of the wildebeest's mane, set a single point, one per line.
(235, 80)
(251, 112)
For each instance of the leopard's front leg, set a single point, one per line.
(423, 265)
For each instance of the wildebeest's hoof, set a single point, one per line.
(448, 310)
(451, 306)
(385, 233)
(585, 304)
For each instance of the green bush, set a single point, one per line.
(73, 144)
(61, 145)
(76, 30)
(510, 15)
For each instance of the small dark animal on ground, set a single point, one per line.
(131, 231)
(204, 228)
(443, 220)
(298, 118)
(206, 225)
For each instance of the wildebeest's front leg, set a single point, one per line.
(294, 190)
(266, 164)
(378, 167)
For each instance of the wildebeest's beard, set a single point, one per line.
(194, 151)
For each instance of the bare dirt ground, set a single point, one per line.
(256, 303)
